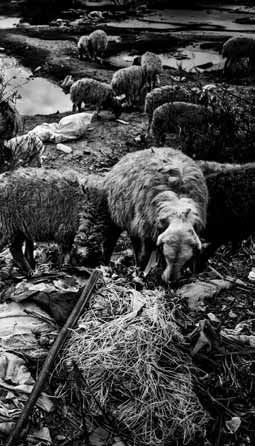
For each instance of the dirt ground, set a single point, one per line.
(54, 50)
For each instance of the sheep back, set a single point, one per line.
(92, 92)
(97, 43)
(152, 65)
(238, 47)
(128, 81)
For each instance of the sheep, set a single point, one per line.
(94, 92)
(168, 93)
(237, 48)
(178, 116)
(130, 81)
(11, 122)
(231, 208)
(43, 205)
(94, 45)
(21, 151)
(159, 196)
(152, 65)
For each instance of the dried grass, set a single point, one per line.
(131, 355)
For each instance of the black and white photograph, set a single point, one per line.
(127, 205)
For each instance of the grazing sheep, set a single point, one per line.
(21, 151)
(168, 93)
(160, 197)
(130, 81)
(152, 65)
(94, 45)
(82, 47)
(177, 116)
(237, 48)
(41, 205)
(10, 120)
(91, 91)
(231, 207)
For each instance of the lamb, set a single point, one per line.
(178, 116)
(43, 205)
(94, 45)
(237, 48)
(130, 81)
(160, 198)
(231, 208)
(168, 93)
(94, 92)
(152, 65)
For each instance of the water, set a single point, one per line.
(191, 57)
(36, 95)
(8, 22)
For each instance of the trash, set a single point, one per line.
(37, 69)
(196, 292)
(233, 424)
(122, 122)
(57, 295)
(70, 127)
(22, 326)
(64, 148)
(16, 384)
(251, 275)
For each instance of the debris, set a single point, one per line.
(59, 342)
(37, 69)
(196, 292)
(122, 122)
(64, 148)
(116, 347)
(251, 275)
(212, 317)
(233, 424)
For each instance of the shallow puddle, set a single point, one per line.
(35, 95)
(191, 57)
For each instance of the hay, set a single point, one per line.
(130, 353)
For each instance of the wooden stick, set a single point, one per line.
(61, 338)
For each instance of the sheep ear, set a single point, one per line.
(159, 240)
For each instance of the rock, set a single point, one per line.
(64, 148)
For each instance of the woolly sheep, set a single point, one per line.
(130, 81)
(94, 45)
(231, 207)
(176, 116)
(152, 65)
(10, 120)
(168, 93)
(43, 205)
(21, 151)
(237, 48)
(94, 92)
(159, 197)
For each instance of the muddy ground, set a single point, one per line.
(53, 49)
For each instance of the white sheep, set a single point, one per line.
(152, 65)
(178, 116)
(94, 45)
(237, 48)
(130, 81)
(93, 92)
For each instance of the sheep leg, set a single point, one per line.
(111, 235)
(136, 243)
(145, 253)
(29, 252)
(149, 128)
(18, 257)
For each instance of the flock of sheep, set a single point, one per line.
(172, 207)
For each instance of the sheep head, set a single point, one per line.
(179, 243)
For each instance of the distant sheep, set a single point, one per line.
(178, 116)
(93, 92)
(237, 48)
(231, 207)
(168, 93)
(159, 197)
(130, 81)
(94, 45)
(42, 205)
(152, 65)
(21, 151)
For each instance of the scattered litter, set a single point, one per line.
(37, 69)
(196, 292)
(122, 122)
(251, 275)
(64, 148)
(233, 424)
(212, 317)
(70, 127)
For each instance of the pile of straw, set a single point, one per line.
(129, 351)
